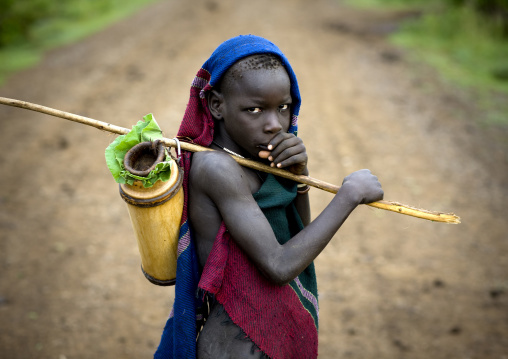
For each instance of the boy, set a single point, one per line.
(252, 243)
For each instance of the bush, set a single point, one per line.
(29, 27)
(22, 20)
(18, 17)
(497, 10)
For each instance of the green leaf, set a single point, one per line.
(111, 161)
(146, 130)
(151, 131)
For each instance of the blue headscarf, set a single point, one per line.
(232, 50)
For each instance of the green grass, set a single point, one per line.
(75, 20)
(387, 4)
(467, 49)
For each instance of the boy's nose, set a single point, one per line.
(272, 124)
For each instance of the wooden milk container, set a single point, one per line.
(155, 212)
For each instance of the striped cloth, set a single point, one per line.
(179, 335)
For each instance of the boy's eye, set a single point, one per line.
(254, 110)
(284, 107)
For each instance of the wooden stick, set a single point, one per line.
(386, 205)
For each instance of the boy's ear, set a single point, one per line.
(215, 101)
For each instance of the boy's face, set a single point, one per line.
(256, 106)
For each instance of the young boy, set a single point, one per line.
(252, 243)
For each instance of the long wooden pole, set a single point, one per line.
(386, 205)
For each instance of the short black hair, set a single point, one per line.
(253, 62)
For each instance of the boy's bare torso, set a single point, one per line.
(220, 337)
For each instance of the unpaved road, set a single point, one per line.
(390, 286)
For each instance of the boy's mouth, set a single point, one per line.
(262, 147)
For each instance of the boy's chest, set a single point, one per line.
(253, 178)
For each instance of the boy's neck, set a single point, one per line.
(223, 141)
(225, 149)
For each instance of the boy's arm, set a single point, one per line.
(302, 205)
(223, 181)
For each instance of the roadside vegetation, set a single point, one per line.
(31, 27)
(465, 40)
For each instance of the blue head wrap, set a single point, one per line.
(233, 50)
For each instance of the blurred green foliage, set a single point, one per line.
(492, 10)
(468, 49)
(485, 6)
(465, 40)
(29, 27)
(24, 21)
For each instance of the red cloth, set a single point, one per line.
(197, 124)
(271, 316)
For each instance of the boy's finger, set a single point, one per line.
(278, 138)
(285, 144)
(281, 154)
(264, 154)
(300, 159)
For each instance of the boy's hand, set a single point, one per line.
(363, 187)
(286, 150)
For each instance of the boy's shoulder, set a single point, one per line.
(213, 162)
(214, 170)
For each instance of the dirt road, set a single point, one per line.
(390, 286)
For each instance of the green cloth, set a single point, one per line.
(285, 221)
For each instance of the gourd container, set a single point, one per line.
(155, 212)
